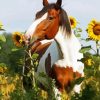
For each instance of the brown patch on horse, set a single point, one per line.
(64, 76)
(77, 75)
(48, 64)
(53, 16)
(35, 46)
(40, 48)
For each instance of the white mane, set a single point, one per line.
(70, 47)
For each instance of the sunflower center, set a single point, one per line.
(18, 38)
(71, 21)
(96, 29)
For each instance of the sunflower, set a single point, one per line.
(73, 22)
(7, 86)
(93, 30)
(3, 69)
(17, 38)
(89, 62)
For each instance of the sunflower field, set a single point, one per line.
(12, 58)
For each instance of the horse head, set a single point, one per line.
(47, 22)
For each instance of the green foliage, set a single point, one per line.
(85, 49)
(79, 80)
(87, 94)
(77, 32)
(12, 57)
(2, 38)
(29, 95)
(90, 89)
(91, 84)
(38, 80)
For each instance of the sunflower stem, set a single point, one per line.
(97, 47)
(33, 77)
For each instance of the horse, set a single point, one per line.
(57, 46)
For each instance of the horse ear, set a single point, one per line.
(59, 2)
(45, 3)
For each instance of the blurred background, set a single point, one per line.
(17, 15)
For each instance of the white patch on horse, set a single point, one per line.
(62, 43)
(54, 52)
(77, 88)
(57, 93)
(32, 28)
(70, 47)
(46, 41)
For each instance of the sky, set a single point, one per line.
(18, 15)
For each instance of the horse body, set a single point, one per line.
(56, 45)
(62, 59)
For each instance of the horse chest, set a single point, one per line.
(49, 58)
(64, 77)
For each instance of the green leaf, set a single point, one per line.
(2, 38)
(85, 49)
(35, 56)
(78, 35)
(79, 80)
(14, 49)
(2, 65)
(2, 29)
(79, 30)
(88, 39)
(0, 47)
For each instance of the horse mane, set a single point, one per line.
(64, 20)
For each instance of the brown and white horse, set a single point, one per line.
(57, 46)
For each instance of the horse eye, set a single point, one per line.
(50, 17)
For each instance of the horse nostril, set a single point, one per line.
(46, 37)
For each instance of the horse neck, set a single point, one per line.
(61, 39)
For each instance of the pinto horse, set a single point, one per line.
(57, 46)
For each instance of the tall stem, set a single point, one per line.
(97, 47)
(32, 69)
